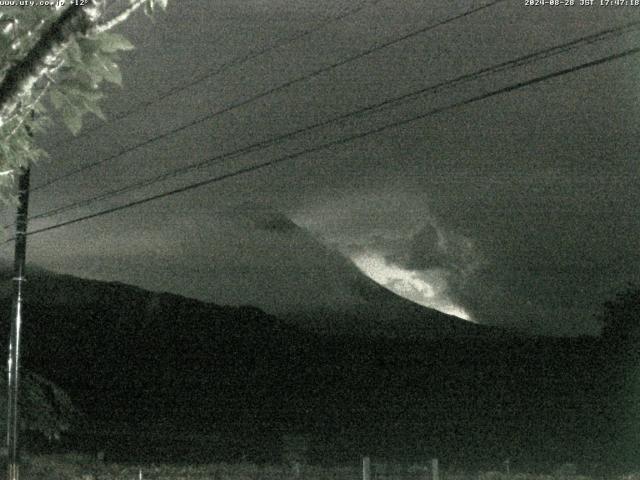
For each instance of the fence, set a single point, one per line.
(390, 471)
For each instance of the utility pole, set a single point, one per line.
(16, 320)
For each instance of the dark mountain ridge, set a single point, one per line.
(158, 361)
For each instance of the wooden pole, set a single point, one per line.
(13, 362)
(435, 474)
(366, 468)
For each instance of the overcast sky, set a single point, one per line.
(521, 208)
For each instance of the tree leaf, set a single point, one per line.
(111, 72)
(93, 107)
(71, 113)
(103, 68)
(89, 47)
(74, 51)
(75, 87)
(82, 99)
(113, 42)
(57, 99)
(72, 119)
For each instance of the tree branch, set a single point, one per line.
(121, 17)
(30, 107)
(21, 77)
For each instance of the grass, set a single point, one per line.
(82, 467)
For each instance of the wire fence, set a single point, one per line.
(74, 466)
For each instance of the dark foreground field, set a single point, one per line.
(81, 467)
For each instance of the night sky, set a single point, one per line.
(519, 209)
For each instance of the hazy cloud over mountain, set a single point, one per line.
(520, 208)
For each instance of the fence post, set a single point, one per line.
(366, 468)
(435, 475)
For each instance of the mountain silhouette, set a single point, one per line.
(342, 300)
(158, 362)
(303, 282)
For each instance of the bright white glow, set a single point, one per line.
(427, 288)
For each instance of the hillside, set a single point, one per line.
(160, 362)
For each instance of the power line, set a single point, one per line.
(341, 141)
(236, 61)
(535, 56)
(503, 66)
(282, 86)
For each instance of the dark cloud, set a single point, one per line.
(433, 246)
(266, 219)
(425, 250)
(524, 205)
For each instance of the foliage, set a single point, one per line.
(71, 83)
(44, 407)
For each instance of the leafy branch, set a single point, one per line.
(66, 54)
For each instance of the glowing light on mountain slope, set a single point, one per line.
(427, 288)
